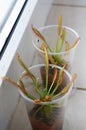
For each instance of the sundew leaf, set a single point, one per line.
(25, 91)
(59, 29)
(61, 72)
(11, 81)
(59, 25)
(35, 80)
(25, 67)
(54, 78)
(47, 66)
(66, 46)
(63, 35)
(25, 74)
(74, 44)
(19, 85)
(59, 80)
(66, 88)
(61, 40)
(37, 32)
(37, 87)
(43, 93)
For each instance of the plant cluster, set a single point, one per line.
(60, 42)
(45, 114)
(45, 94)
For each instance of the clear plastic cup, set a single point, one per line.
(50, 34)
(46, 115)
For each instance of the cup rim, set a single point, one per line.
(59, 53)
(55, 100)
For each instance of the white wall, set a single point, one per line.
(8, 94)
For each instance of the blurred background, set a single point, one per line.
(40, 13)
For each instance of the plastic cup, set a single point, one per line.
(45, 115)
(50, 34)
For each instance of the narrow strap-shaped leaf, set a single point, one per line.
(74, 44)
(25, 91)
(61, 40)
(66, 46)
(59, 30)
(59, 80)
(63, 34)
(25, 67)
(23, 75)
(47, 66)
(53, 81)
(10, 81)
(36, 84)
(20, 86)
(59, 25)
(39, 34)
(66, 88)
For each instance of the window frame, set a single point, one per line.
(9, 24)
(16, 38)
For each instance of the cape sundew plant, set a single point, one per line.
(61, 42)
(45, 93)
(45, 113)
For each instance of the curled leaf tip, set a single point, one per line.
(4, 78)
(17, 55)
(75, 43)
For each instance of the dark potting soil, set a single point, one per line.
(53, 121)
(65, 80)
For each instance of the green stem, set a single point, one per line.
(37, 88)
(47, 66)
(58, 81)
(54, 78)
(56, 95)
(35, 82)
(38, 110)
(56, 87)
(50, 87)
